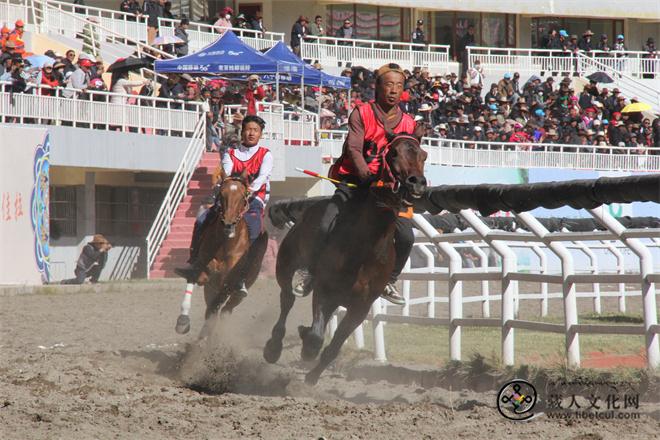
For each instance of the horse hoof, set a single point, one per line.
(303, 331)
(311, 378)
(182, 324)
(272, 350)
(311, 347)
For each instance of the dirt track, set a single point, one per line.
(109, 365)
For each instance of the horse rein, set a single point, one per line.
(246, 196)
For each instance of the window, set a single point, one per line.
(366, 22)
(371, 22)
(390, 24)
(63, 204)
(493, 30)
(126, 211)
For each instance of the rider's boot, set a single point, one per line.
(392, 294)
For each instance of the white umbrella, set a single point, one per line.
(166, 39)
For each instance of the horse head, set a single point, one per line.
(405, 161)
(233, 201)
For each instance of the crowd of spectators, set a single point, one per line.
(550, 110)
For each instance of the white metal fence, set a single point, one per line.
(176, 192)
(201, 35)
(96, 110)
(300, 127)
(544, 244)
(513, 155)
(10, 12)
(631, 63)
(371, 54)
(63, 18)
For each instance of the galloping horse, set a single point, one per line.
(226, 244)
(357, 260)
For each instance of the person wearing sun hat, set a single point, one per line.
(91, 261)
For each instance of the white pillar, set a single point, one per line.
(455, 287)
(568, 288)
(379, 334)
(509, 287)
(648, 288)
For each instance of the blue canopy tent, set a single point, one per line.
(310, 75)
(228, 55)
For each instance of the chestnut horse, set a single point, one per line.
(357, 259)
(225, 243)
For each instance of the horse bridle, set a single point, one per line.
(386, 166)
(246, 196)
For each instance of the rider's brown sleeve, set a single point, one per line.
(355, 144)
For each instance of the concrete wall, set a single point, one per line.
(585, 8)
(79, 147)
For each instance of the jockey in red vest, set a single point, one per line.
(360, 163)
(259, 164)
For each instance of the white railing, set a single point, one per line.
(632, 63)
(201, 35)
(628, 85)
(331, 142)
(457, 153)
(69, 20)
(510, 273)
(505, 155)
(300, 127)
(10, 12)
(371, 54)
(94, 109)
(176, 192)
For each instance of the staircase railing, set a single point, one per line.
(176, 192)
(44, 10)
(627, 84)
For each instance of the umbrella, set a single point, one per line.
(39, 60)
(636, 107)
(601, 77)
(129, 64)
(166, 39)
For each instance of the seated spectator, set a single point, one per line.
(79, 79)
(92, 260)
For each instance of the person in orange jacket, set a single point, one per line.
(4, 35)
(17, 37)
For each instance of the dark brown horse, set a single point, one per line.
(226, 245)
(357, 260)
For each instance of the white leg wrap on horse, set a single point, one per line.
(187, 298)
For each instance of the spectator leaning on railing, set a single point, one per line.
(298, 32)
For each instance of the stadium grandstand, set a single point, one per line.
(520, 91)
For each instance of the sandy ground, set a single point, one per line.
(109, 365)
